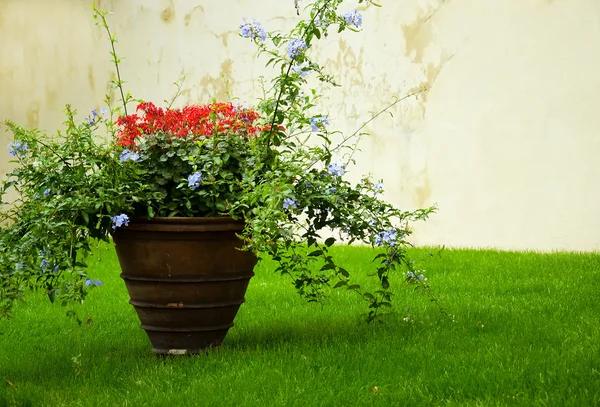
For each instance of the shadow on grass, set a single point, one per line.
(318, 332)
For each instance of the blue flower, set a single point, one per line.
(296, 47)
(194, 180)
(120, 220)
(353, 18)
(95, 117)
(89, 282)
(56, 268)
(315, 122)
(322, 23)
(127, 155)
(413, 276)
(378, 240)
(302, 68)
(253, 30)
(44, 263)
(336, 170)
(387, 236)
(17, 147)
(46, 192)
(289, 203)
(377, 188)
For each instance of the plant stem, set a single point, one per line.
(287, 74)
(119, 83)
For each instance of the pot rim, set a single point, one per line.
(185, 220)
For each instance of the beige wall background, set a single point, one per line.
(504, 138)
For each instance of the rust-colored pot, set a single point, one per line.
(186, 279)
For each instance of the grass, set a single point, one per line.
(522, 329)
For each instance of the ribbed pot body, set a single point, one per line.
(186, 279)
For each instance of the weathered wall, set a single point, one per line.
(505, 138)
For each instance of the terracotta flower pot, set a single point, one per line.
(186, 279)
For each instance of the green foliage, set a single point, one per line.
(68, 188)
(301, 166)
(287, 183)
(166, 162)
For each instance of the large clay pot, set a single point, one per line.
(186, 279)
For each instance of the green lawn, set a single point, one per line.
(521, 329)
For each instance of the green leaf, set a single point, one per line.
(330, 241)
(369, 296)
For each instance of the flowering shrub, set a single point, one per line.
(262, 165)
(189, 122)
(209, 145)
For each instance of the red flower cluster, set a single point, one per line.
(189, 121)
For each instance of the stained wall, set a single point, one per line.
(503, 133)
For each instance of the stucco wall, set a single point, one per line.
(505, 138)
